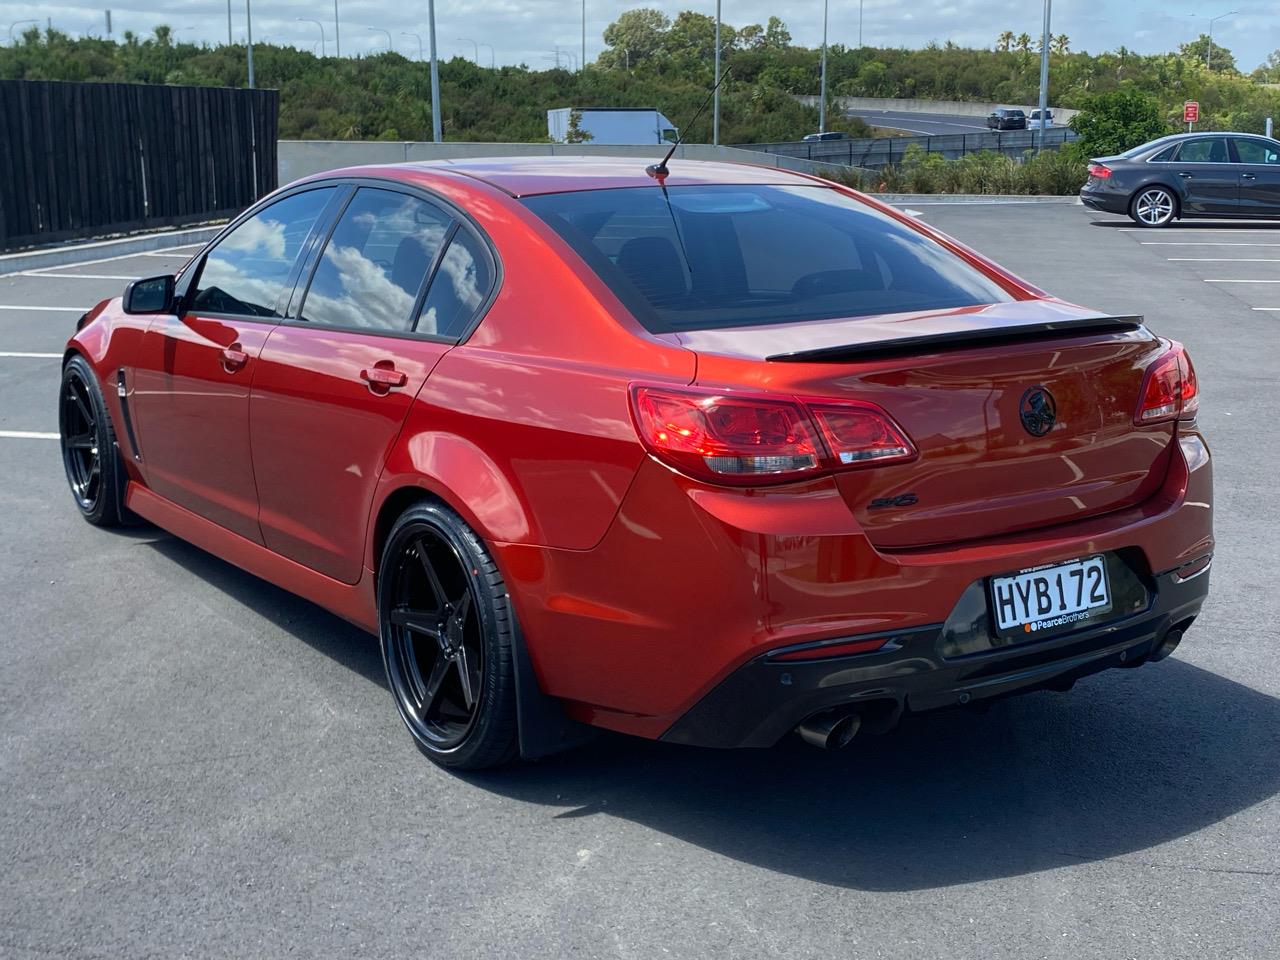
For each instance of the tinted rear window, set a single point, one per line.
(730, 256)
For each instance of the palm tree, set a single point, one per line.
(1023, 43)
(1061, 43)
(1004, 41)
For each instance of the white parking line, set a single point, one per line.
(6, 306)
(1242, 281)
(161, 253)
(30, 356)
(74, 276)
(26, 435)
(1267, 309)
(123, 256)
(1223, 259)
(1205, 243)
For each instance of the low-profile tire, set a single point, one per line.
(447, 633)
(94, 468)
(1153, 207)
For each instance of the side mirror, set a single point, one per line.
(153, 295)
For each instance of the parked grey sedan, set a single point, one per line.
(1221, 175)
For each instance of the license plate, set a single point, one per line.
(1051, 598)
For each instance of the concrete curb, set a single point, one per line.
(937, 199)
(73, 253)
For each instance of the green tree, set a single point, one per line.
(1023, 43)
(776, 35)
(1209, 52)
(1113, 122)
(635, 37)
(1004, 41)
(1061, 44)
(575, 133)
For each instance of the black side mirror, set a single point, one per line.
(152, 295)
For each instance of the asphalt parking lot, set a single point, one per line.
(195, 763)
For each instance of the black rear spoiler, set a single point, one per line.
(961, 339)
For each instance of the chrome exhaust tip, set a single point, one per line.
(829, 731)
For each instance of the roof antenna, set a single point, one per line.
(659, 171)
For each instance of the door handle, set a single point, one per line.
(382, 377)
(234, 357)
(1185, 176)
(1247, 176)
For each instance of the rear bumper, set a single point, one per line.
(1106, 201)
(917, 671)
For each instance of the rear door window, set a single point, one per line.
(459, 288)
(376, 262)
(1208, 150)
(1257, 151)
(727, 256)
(246, 272)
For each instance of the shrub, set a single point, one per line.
(1118, 121)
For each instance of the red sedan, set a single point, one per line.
(708, 457)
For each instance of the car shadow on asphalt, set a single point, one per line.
(316, 627)
(1206, 224)
(1128, 760)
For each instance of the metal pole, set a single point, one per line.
(419, 39)
(391, 44)
(248, 16)
(1268, 127)
(337, 38)
(859, 24)
(1208, 54)
(436, 128)
(18, 23)
(715, 109)
(493, 57)
(1044, 75)
(475, 46)
(323, 49)
(229, 41)
(584, 34)
(822, 83)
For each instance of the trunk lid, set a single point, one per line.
(957, 382)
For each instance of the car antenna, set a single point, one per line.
(659, 171)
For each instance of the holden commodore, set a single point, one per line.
(705, 454)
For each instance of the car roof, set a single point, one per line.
(530, 176)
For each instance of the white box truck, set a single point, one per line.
(612, 125)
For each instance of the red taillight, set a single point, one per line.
(745, 439)
(1099, 171)
(1169, 389)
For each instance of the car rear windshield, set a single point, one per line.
(732, 256)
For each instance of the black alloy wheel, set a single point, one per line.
(446, 640)
(89, 455)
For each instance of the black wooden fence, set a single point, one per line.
(90, 159)
(877, 152)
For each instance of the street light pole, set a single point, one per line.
(822, 83)
(337, 37)
(18, 23)
(584, 34)
(391, 44)
(1208, 54)
(248, 18)
(229, 41)
(419, 39)
(859, 24)
(475, 47)
(715, 109)
(493, 56)
(437, 133)
(323, 48)
(1044, 74)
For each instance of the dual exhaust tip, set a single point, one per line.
(830, 731)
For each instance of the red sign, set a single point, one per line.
(1191, 111)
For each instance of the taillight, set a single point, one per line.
(1169, 389)
(1099, 171)
(748, 439)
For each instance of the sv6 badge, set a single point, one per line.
(902, 500)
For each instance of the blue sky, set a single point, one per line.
(514, 31)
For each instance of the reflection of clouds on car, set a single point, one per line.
(458, 287)
(259, 235)
(367, 297)
(376, 262)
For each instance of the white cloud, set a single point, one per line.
(527, 31)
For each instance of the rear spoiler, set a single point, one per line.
(961, 339)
